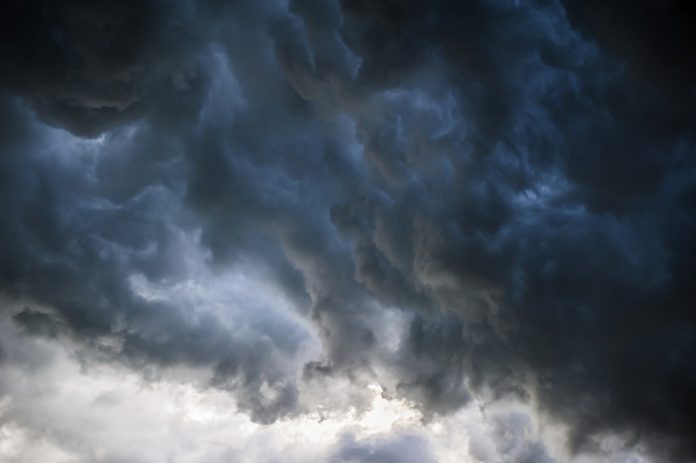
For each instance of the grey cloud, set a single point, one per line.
(392, 449)
(78, 241)
(488, 167)
(511, 438)
(547, 234)
(89, 67)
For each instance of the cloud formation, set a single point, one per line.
(462, 205)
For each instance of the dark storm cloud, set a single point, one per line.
(86, 219)
(87, 67)
(517, 175)
(544, 215)
(652, 37)
(82, 227)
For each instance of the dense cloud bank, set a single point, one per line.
(449, 199)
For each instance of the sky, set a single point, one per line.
(352, 231)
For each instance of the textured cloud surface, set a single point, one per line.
(355, 231)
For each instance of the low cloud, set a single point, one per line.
(453, 202)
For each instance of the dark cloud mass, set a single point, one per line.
(253, 188)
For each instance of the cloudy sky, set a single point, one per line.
(391, 231)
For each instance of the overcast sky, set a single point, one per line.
(379, 231)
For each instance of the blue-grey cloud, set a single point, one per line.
(516, 177)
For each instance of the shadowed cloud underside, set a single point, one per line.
(370, 231)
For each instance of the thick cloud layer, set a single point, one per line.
(489, 199)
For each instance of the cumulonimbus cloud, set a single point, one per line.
(513, 177)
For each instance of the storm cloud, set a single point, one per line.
(314, 209)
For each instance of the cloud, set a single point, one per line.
(392, 450)
(446, 200)
(61, 402)
(88, 67)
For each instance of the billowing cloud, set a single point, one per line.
(314, 209)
